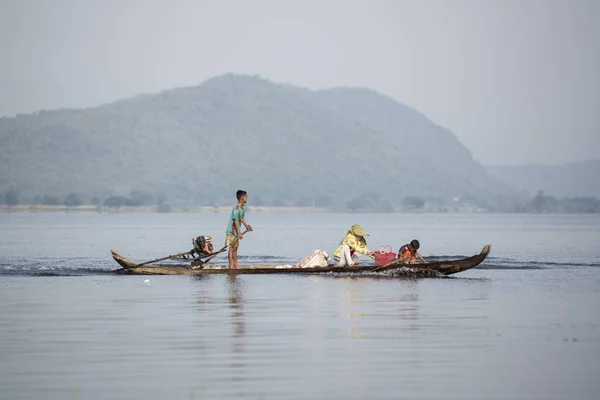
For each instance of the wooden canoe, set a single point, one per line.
(430, 269)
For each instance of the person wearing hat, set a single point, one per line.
(353, 243)
(408, 253)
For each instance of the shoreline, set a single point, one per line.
(34, 209)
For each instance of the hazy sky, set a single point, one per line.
(516, 81)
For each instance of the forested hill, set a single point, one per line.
(284, 144)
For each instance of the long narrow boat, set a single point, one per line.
(433, 268)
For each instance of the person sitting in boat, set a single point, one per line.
(408, 253)
(351, 246)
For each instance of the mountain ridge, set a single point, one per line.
(286, 144)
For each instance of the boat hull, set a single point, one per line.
(434, 268)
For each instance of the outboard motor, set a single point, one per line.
(202, 246)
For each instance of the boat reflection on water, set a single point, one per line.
(205, 299)
(408, 303)
(236, 306)
(354, 295)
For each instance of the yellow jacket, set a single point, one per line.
(356, 243)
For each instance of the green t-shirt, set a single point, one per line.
(237, 213)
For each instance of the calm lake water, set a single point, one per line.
(523, 325)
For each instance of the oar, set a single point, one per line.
(161, 259)
(179, 255)
(395, 262)
(382, 266)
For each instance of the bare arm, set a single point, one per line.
(236, 227)
(422, 259)
(249, 227)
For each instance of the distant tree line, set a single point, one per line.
(540, 203)
(12, 197)
(71, 200)
(545, 203)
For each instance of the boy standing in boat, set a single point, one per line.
(233, 232)
(353, 244)
(408, 253)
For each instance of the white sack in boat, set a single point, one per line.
(317, 258)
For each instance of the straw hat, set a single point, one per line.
(358, 230)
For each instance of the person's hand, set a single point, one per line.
(372, 254)
(241, 236)
(250, 228)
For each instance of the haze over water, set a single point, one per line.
(522, 325)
